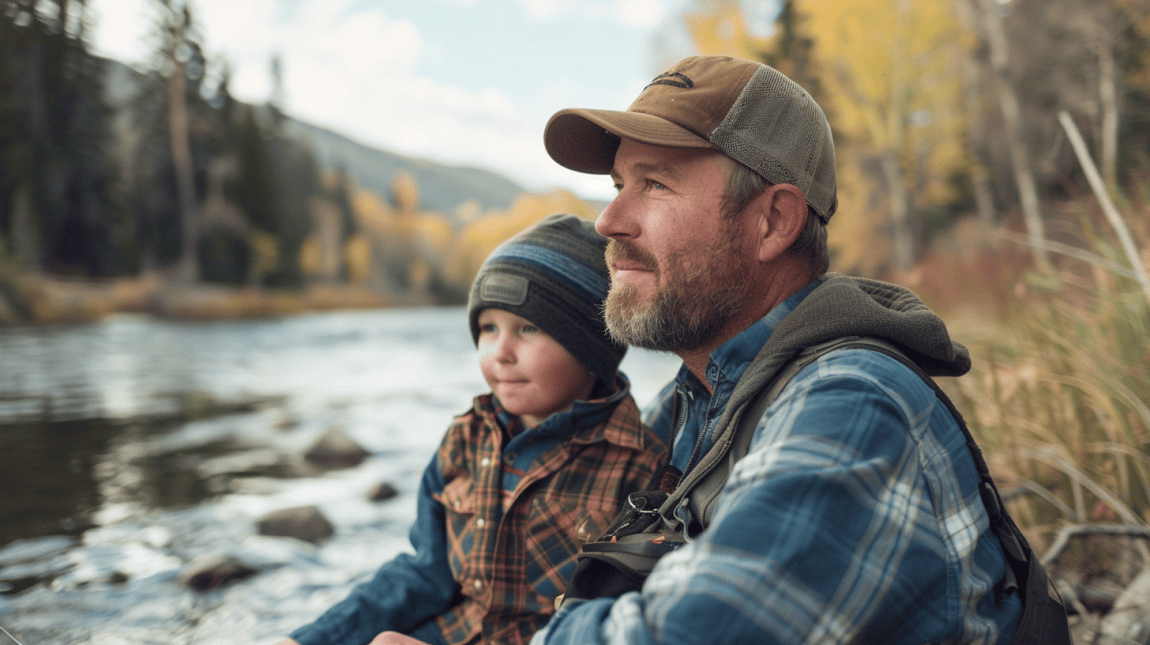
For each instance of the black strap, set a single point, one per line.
(1043, 620)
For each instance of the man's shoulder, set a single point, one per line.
(848, 367)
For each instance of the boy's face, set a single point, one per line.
(532, 374)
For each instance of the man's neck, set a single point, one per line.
(759, 303)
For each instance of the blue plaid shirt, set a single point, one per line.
(855, 517)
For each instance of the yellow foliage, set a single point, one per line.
(405, 192)
(435, 234)
(265, 252)
(310, 257)
(719, 27)
(371, 213)
(855, 243)
(890, 84)
(479, 238)
(357, 255)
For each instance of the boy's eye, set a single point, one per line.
(488, 328)
(530, 329)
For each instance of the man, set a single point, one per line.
(855, 515)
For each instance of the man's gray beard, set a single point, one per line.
(683, 317)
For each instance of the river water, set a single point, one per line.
(131, 447)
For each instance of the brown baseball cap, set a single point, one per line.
(749, 111)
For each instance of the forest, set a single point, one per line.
(993, 155)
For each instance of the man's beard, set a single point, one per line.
(702, 295)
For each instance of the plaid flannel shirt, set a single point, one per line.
(510, 565)
(855, 517)
(561, 483)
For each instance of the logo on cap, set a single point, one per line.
(674, 79)
(504, 288)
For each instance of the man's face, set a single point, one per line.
(676, 263)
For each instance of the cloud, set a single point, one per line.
(641, 13)
(357, 69)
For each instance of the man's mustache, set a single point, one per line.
(619, 251)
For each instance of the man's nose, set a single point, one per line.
(617, 220)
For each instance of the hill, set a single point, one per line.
(442, 188)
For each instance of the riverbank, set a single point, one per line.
(41, 299)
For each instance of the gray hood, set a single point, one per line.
(846, 306)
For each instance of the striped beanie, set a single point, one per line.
(554, 275)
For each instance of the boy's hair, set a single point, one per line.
(554, 275)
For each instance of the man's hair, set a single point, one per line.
(744, 184)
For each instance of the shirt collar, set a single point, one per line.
(582, 423)
(731, 359)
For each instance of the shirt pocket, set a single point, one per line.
(558, 526)
(459, 503)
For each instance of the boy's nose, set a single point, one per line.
(504, 350)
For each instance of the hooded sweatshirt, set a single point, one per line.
(855, 514)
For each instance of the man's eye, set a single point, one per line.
(657, 185)
(619, 187)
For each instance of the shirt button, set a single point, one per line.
(477, 585)
(485, 462)
(479, 524)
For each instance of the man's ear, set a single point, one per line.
(782, 215)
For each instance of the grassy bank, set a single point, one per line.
(36, 299)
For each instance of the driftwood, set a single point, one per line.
(1080, 530)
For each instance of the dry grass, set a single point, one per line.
(50, 300)
(1059, 396)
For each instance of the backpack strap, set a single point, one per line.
(1043, 620)
(701, 500)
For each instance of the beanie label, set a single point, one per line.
(505, 289)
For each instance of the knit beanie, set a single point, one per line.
(554, 275)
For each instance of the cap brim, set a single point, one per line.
(585, 140)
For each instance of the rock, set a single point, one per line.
(335, 449)
(1129, 618)
(382, 492)
(30, 549)
(216, 570)
(303, 523)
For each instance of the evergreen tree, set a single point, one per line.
(59, 206)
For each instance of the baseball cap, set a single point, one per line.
(747, 110)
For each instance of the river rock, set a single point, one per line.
(1129, 619)
(335, 449)
(382, 492)
(303, 523)
(215, 570)
(29, 549)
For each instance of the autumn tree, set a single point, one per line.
(885, 72)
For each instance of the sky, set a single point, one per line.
(460, 82)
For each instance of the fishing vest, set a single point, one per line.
(648, 527)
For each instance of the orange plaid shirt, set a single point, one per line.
(512, 551)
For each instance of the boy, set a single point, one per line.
(534, 470)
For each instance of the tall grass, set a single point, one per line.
(1059, 395)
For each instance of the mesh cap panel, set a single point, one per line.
(776, 129)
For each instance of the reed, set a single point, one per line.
(1059, 395)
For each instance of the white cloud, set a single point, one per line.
(545, 9)
(357, 71)
(641, 13)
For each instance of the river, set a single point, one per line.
(131, 447)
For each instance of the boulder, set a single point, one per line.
(335, 449)
(382, 492)
(303, 523)
(215, 570)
